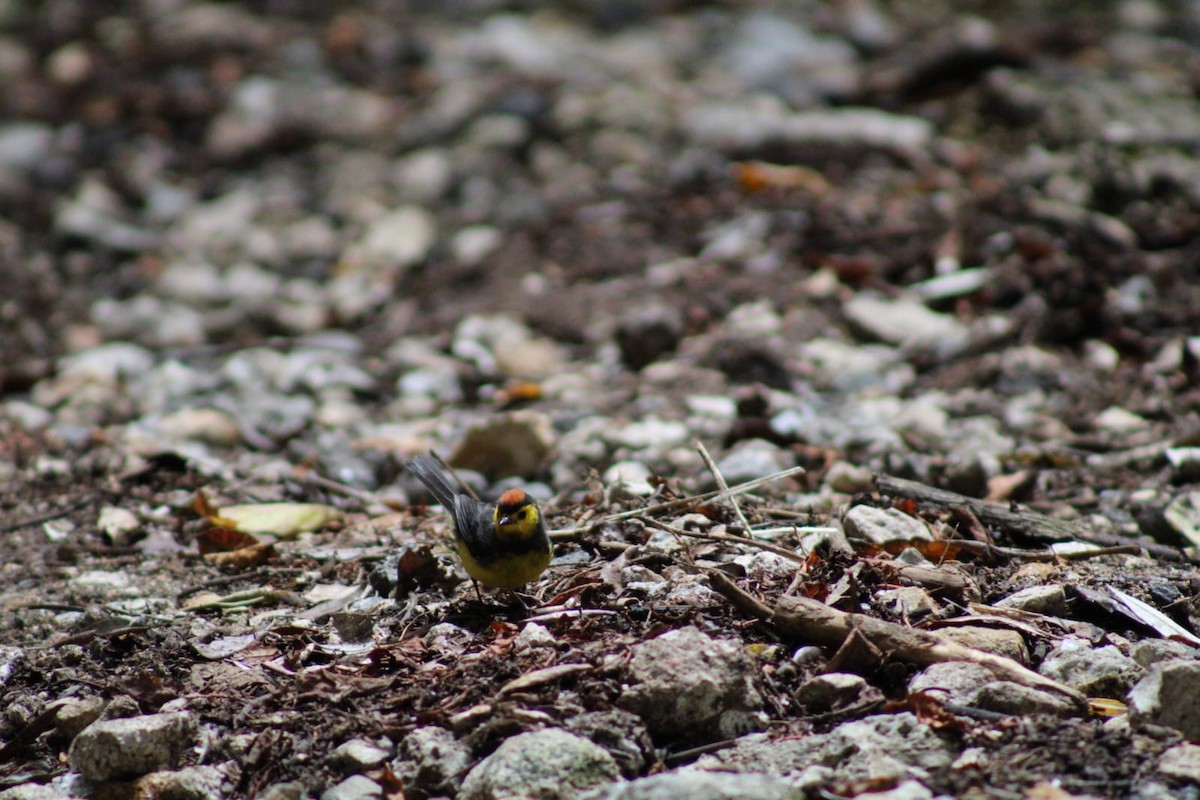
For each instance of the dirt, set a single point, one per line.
(874, 221)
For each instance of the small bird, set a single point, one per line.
(503, 546)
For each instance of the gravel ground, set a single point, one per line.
(942, 257)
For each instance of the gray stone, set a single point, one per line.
(1007, 697)
(358, 754)
(206, 425)
(628, 480)
(117, 523)
(1099, 672)
(261, 107)
(75, 714)
(24, 144)
(687, 684)
(190, 783)
(1001, 641)
(697, 785)
(293, 790)
(1167, 697)
(951, 681)
(856, 367)
(534, 638)
(474, 243)
(753, 458)
(906, 601)
(550, 764)
(356, 787)
(432, 759)
(398, 240)
(1148, 652)
(33, 791)
(849, 478)
(149, 320)
(831, 690)
(746, 125)
(504, 445)
(1181, 762)
(622, 734)
(906, 322)
(126, 748)
(907, 790)
(1051, 600)
(772, 52)
(883, 525)
(884, 748)
(650, 433)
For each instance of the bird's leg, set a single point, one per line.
(478, 593)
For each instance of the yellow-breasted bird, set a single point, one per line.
(504, 546)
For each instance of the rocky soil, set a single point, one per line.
(918, 281)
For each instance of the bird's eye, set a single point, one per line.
(523, 515)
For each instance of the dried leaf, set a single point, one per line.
(253, 556)
(223, 647)
(1106, 707)
(223, 540)
(284, 520)
(936, 551)
(542, 676)
(931, 710)
(515, 394)
(1150, 616)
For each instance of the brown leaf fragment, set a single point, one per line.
(253, 556)
(223, 540)
(416, 569)
(969, 524)
(1014, 486)
(930, 710)
(543, 676)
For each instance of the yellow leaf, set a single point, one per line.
(1104, 707)
(284, 520)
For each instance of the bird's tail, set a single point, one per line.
(436, 480)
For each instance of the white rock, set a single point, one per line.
(1115, 419)
(1098, 672)
(687, 684)
(907, 322)
(473, 244)
(1181, 763)
(650, 433)
(117, 522)
(124, 748)
(356, 787)
(359, 754)
(549, 764)
(1166, 696)
(396, 240)
(884, 525)
(1051, 600)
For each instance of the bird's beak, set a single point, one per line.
(504, 521)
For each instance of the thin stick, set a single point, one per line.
(730, 538)
(684, 502)
(722, 485)
(798, 530)
(362, 495)
(800, 619)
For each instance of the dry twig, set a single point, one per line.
(805, 620)
(722, 485)
(1023, 523)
